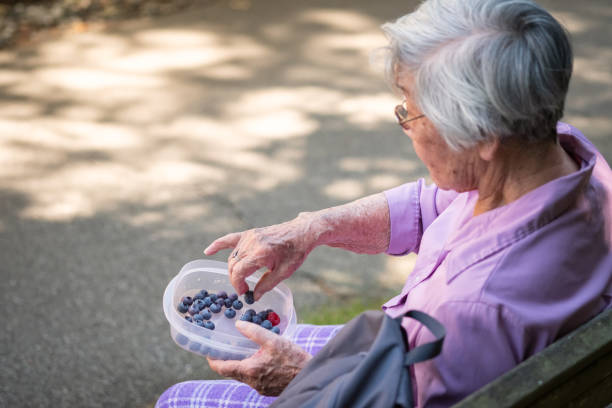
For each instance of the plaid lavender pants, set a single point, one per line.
(234, 394)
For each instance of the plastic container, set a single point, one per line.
(225, 342)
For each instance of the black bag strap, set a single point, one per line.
(427, 350)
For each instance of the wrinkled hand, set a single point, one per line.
(271, 368)
(281, 248)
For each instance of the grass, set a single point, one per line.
(340, 313)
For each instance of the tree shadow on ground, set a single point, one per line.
(128, 151)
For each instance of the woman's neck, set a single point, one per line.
(519, 169)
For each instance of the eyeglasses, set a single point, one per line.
(402, 115)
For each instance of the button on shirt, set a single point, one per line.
(505, 283)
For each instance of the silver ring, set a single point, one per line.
(235, 254)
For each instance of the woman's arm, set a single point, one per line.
(360, 226)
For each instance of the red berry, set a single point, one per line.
(273, 318)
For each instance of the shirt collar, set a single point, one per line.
(482, 236)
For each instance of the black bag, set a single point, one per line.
(365, 365)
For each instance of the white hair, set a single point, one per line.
(483, 69)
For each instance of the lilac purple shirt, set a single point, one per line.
(505, 283)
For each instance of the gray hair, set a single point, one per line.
(483, 69)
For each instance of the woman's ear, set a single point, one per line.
(487, 150)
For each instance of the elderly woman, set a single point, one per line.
(508, 238)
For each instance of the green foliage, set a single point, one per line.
(340, 313)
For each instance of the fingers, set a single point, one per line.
(225, 242)
(226, 368)
(256, 333)
(239, 271)
(272, 278)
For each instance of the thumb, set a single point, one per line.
(270, 279)
(256, 333)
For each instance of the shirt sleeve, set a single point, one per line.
(412, 208)
(482, 342)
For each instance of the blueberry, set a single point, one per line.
(200, 323)
(228, 303)
(207, 301)
(222, 294)
(275, 329)
(251, 312)
(206, 315)
(209, 325)
(182, 340)
(246, 317)
(183, 308)
(204, 293)
(187, 300)
(249, 298)
(193, 309)
(198, 316)
(212, 296)
(215, 308)
(256, 319)
(233, 296)
(237, 304)
(230, 313)
(194, 346)
(198, 296)
(220, 302)
(199, 303)
(266, 324)
(263, 314)
(189, 319)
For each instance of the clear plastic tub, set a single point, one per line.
(225, 342)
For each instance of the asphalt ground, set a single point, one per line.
(127, 148)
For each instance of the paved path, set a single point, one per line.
(126, 150)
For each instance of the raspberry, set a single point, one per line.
(274, 318)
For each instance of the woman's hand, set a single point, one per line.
(271, 368)
(281, 248)
(362, 226)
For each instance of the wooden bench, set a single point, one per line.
(575, 371)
